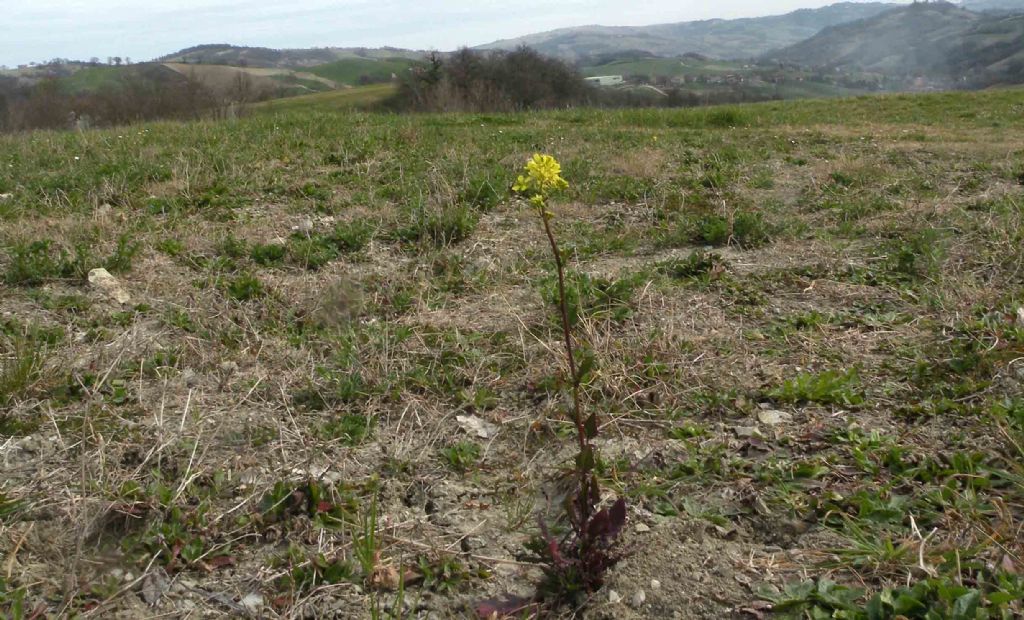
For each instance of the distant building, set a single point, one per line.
(605, 80)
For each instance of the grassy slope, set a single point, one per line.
(869, 294)
(350, 70)
(667, 67)
(92, 79)
(342, 99)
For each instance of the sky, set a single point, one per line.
(38, 30)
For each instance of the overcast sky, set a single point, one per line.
(37, 30)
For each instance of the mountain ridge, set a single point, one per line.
(720, 38)
(936, 39)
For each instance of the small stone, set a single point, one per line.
(655, 584)
(229, 368)
(614, 597)
(252, 602)
(4, 197)
(746, 432)
(773, 417)
(191, 378)
(642, 527)
(101, 280)
(639, 598)
(305, 226)
(154, 586)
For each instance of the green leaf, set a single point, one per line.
(590, 426)
(585, 459)
(966, 607)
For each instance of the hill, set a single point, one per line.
(994, 6)
(363, 70)
(236, 55)
(937, 40)
(720, 38)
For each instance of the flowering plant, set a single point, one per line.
(576, 563)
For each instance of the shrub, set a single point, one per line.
(470, 81)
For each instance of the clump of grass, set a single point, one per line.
(745, 229)
(828, 388)
(20, 367)
(34, 263)
(915, 256)
(311, 253)
(461, 456)
(439, 228)
(591, 297)
(245, 287)
(120, 261)
(37, 262)
(267, 254)
(698, 265)
(350, 429)
(353, 236)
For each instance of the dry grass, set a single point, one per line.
(210, 455)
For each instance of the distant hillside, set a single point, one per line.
(79, 77)
(995, 6)
(356, 70)
(719, 38)
(937, 40)
(223, 54)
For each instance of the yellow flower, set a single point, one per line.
(543, 176)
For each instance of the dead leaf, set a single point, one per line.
(477, 426)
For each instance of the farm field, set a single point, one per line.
(341, 100)
(336, 388)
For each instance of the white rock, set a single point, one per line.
(642, 527)
(4, 197)
(101, 280)
(773, 417)
(613, 596)
(655, 584)
(253, 601)
(639, 598)
(477, 426)
(745, 432)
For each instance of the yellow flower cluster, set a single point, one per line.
(543, 176)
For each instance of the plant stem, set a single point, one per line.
(577, 414)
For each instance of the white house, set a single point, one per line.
(605, 80)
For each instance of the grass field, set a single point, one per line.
(351, 70)
(335, 390)
(344, 99)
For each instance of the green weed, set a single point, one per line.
(828, 388)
